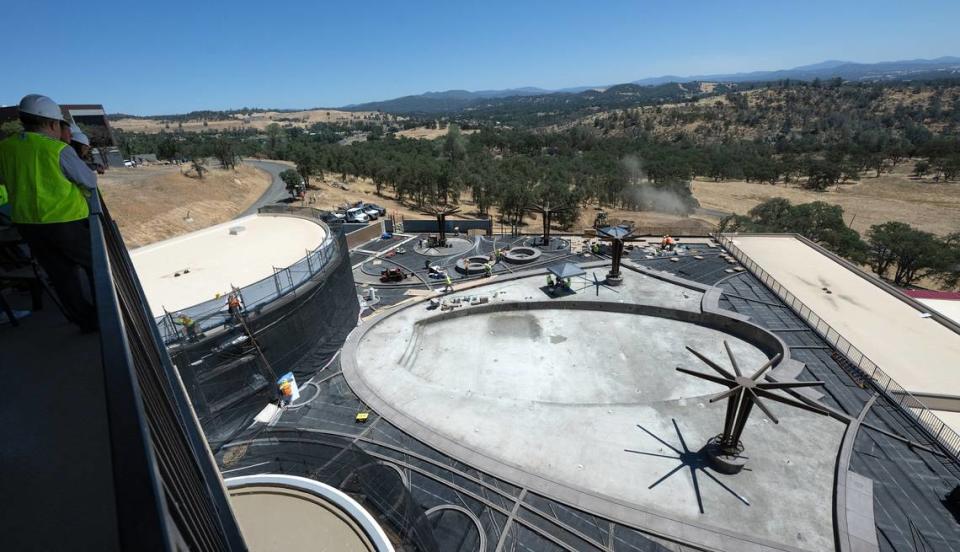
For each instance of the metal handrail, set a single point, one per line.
(937, 428)
(213, 313)
(171, 496)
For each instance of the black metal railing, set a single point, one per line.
(169, 495)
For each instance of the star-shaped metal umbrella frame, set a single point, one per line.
(743, 393)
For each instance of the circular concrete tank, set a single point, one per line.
(455, 246)
(522, 255)
(473, 265)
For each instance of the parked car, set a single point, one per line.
(380, 210)
(333, 218)
(371, 212)
(357, 215)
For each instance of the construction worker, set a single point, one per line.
(79, 142)
(667, 243)
(189, 324)
(595, 248)
(234, 307)
(487, 269)
(48, 186)
(550, 282)
(66, 132)
(449, 287)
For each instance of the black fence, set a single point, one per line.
(168, 492)
(232, 375)
(417, 226)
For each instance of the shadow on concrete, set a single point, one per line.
(692, 460)
(555, 292)
(599, 283)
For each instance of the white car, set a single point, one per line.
(357, 215)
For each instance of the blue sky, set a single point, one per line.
(179, 56)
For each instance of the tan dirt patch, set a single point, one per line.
(159, 202)
(428, 133)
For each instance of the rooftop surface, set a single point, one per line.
(921, 354)
(585, 403)
(193, 268)
(279, 518)
(947, 307)
(455, 490)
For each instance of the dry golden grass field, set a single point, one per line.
(428, 133)
(153, 203)
(924, 204)
(257, 121)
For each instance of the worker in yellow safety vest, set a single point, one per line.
(189, 324)
(47, 186)
(449, 287)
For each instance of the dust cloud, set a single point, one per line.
(643, 194)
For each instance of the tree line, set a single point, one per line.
(893, 250)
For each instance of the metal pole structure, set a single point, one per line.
(617, 235)
(546, 226)
(617, 255)
(276, 281)
(724, 451)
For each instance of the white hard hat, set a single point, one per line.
(41, 106)
(77, 135)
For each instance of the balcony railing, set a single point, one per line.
(169, 495)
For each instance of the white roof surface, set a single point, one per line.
(919, 353)
(947, 307)
(216, 259)
(952, 419)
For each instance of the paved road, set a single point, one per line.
(711, 212)
(277, 189)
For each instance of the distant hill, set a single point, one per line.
(453, 101)
(536, 109)
(531, 106)
(801, 112)
(847, 70)
(440, 102)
